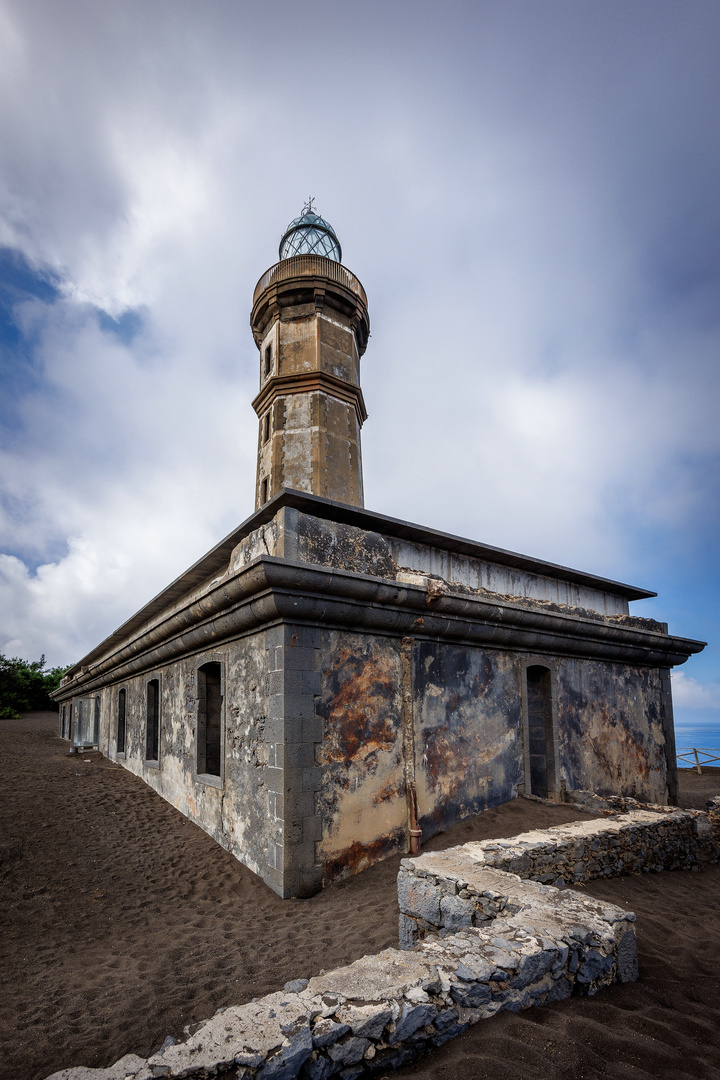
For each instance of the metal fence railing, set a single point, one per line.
(696, 758)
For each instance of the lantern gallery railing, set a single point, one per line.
(695, 758)
(309, 265)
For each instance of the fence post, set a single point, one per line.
(697, 762)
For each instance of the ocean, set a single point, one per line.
(702, 733)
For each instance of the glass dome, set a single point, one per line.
(310, 235)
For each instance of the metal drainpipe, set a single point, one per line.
(414, 830)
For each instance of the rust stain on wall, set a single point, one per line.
(359, 856)
(362, 798)
(610, 730)
(468, 749)
(360, 718)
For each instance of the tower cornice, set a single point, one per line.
(306, 382)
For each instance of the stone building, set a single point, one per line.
(329, 685)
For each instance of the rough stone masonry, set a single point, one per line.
(443, 892)
(383, 1010)
(475, 939)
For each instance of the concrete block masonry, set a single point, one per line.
(475, 939)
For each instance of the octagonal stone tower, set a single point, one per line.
(310, 322)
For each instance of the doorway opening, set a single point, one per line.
(540, 730)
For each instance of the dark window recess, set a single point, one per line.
(263, 491)
(209, 730)
(122, 697)
(267, 360)
(152, 742)
(540, 732)
(266, 426)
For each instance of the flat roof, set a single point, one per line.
(218, 557)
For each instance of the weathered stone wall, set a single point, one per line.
(441, 892)
(235, 808)
(467, 731)
(475, 940)
(449, 718)
(611, 729)
(713, 811)
(384, 1010)
(326, 730)
(397, 711)
(362, 796)
(351, 548)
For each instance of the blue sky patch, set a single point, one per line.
(126, 327)
(19, 283)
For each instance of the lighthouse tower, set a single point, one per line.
(310, 322)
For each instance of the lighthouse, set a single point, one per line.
(310, 323)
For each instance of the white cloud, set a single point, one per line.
(528, 380)
(689, 693)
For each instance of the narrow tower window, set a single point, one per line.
(152, 741)
(209, 730)
(267, 360)
(540, 731)
(266, 426)
(121, 722)
(263, 491)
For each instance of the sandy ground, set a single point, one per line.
(121, 922)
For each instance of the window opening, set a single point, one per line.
(264, 491)
(268, 360)
(152, 743)
(121, 722)
(266, 426)
(209, 734)
(540, 733)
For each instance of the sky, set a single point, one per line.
(528, 191)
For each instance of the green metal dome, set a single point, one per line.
(310, 235)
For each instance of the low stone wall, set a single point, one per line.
(607, 805)
(637, 842)
(384, 1010)
(713, 812)
(481, 937)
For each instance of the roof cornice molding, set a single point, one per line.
(217, 559)
(269, 590)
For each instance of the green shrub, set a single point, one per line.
(25, 685)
